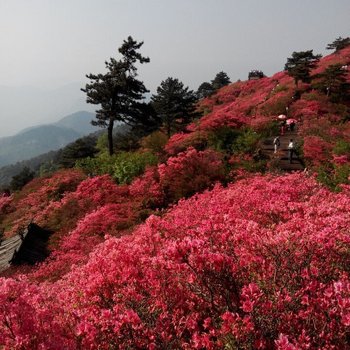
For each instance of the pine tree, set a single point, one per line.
(118, 92)
(221, 79)
(339, 44)
(300, 64)
(333, 82)
(204, 90)
(174, 104)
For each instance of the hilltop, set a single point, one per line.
(204, 240)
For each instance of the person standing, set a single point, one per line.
(291, 150)
(276, 144)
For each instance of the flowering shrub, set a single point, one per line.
(5, 202)
(180, 142)
(260, 264)
(37, 196)
(90, 231)
(147, 189)
(190, 172)
(316, 150)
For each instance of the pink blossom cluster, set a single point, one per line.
(5, 202)
(36, 198)
(260, 264)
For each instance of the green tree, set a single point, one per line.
(204, 90)
(174, 104)
(118, 92)
(81, 148)
(334, 83)
(221, 79)
(339, 44)
(300, 64)
(21, 179)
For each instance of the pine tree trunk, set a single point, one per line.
(110, 136)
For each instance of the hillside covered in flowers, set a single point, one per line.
(200, 240)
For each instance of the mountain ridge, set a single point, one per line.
(33, 141)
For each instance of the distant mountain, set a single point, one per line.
(26, 106)
(79, 122)
(33, 141)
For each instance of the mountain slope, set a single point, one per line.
(36, 140)
(33, 142)
(79, 122)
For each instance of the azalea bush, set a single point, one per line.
(190, 172)
(37, 196)
(261, 264)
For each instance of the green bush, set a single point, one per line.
(129, 165)
(341, 148)
(223, 138)
(334, 176)
(123, 167)
(246, 142)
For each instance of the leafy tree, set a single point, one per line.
(118, 92)
(205, 90)
(174, 104)
(221, 79)
(21, 179)
(338, 44)
(300, 64)
(81, 148)
(334, 83)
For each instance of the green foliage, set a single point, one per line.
(342, 147)
(48, 168)
(175, 104)
(222, 139)
(300, 64)
(221, 79)
(268, 129)
(254, 165)
(118, 92)
(123, 167)
(246, 142)
(205, 90)
(102, 143)
(333, 176)
(81, 148)
(129, 165)
(333, 83)
(21, 179)
(338, 44)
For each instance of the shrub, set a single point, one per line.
(123, 167)
(261, 264)
(155, 142)
(190, 172)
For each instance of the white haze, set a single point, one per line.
(48, 44)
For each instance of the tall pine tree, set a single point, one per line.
(118, 92)
(174, 104)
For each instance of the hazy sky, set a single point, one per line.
(51, 43)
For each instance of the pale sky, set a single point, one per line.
(48, 44)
